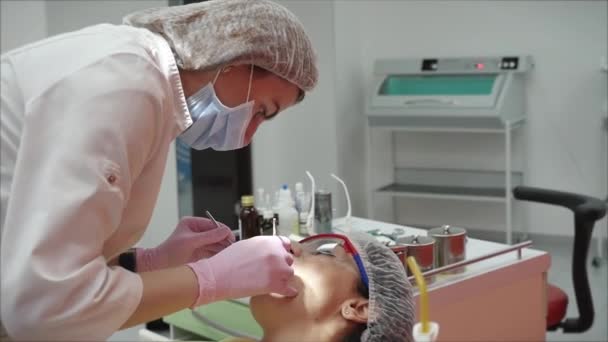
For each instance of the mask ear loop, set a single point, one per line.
(349, 211)
(250, 81)
(217, 75)
(243, 137)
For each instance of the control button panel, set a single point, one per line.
(509, 63)
(472, 64)
(429, 64)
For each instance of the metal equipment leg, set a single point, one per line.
(598, 259)
(508, 185)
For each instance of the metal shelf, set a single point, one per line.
(474, 185)
(412, 106)
(443, 124)
(494, 194)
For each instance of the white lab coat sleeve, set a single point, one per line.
(85, 140)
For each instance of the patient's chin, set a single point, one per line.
(295, 282)
(269, 304)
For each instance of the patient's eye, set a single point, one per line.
(324, 252)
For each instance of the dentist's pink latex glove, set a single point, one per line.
(250, 267)
(194, 238)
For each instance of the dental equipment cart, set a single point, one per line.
(487, 295)
(452, 109)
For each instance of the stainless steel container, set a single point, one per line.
(451, 246)
(401, 252)
(422, 248)
(323, 212)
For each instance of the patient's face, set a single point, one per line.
(325, 281)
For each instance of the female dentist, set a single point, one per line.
(87, 121)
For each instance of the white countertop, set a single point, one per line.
(474, 248)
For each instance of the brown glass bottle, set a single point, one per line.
(249, 218)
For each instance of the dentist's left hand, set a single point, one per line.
(194, 238)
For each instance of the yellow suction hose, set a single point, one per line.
(424, 297)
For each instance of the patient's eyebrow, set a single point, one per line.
(349, 259)
(339, 251)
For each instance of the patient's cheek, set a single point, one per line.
(317, 288)
(322, 285)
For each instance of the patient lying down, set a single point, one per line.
(340, 299)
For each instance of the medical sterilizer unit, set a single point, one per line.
(444, 95)
(470, 92)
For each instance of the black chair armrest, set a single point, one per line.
(587, 210)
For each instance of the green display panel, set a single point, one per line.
(426, 85)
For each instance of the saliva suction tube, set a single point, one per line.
(425, 330)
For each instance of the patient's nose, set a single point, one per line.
(296, 249)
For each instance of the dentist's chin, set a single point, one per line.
(255, 122)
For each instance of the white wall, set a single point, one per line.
(303, 137)
(22, 22)
(69, 15)
(565, 146)
(350, 90)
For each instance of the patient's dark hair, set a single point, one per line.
(355, 334)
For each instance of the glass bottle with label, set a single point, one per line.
(248, 218)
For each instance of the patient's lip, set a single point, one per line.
(279, 296)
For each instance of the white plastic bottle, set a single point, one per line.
(260, 204)
(288, 215)
(275, 201)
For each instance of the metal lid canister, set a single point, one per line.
(422, 249)
(451, 245)
(401, 252)
(323, 212)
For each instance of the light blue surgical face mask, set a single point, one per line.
(215, 125)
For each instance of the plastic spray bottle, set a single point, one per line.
(288, 215)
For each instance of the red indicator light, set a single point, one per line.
(479, 66)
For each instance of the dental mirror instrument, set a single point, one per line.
(209, 216)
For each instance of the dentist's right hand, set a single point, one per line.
(259, 265)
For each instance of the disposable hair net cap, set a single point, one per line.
(214, 33)
(391, 308)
